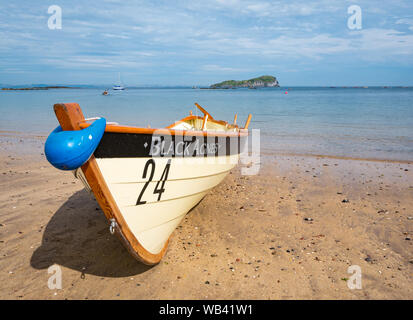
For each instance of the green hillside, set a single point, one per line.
(263, 81)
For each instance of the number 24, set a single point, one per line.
(163, 179)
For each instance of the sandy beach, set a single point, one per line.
(290, 232)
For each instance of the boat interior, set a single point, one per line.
(198, 123)
(192, 123)
(206, 123)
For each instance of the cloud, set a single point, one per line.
(380, 44)
(217, 68)
(276, 9)
(409, 22)
(112, 35)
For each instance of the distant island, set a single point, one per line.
(40, 88)
(263, 81)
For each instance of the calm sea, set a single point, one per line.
(350, 122)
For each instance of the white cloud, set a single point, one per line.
(217, 68)
(112, 35)
(409, 22)
(382, 43)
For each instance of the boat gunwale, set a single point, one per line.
(168, 131)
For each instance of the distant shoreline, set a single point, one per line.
(40, 88)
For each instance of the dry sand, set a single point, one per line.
(283, 234)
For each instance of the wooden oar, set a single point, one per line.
(204, 111)
(248, 121)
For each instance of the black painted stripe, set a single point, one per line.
(134, 145)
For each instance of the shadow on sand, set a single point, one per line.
(78, 237)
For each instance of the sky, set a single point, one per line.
(200, 42)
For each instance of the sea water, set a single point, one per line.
(347, 122)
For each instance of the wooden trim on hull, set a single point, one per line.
(70, 116)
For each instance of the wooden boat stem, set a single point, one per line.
(70, 116)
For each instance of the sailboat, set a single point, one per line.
(119, 86)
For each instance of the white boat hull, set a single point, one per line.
(146, 180)
(153, 221)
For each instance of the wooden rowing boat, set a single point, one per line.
(146, 180)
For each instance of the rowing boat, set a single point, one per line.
(145, 179)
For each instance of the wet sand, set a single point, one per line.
(290, 232)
